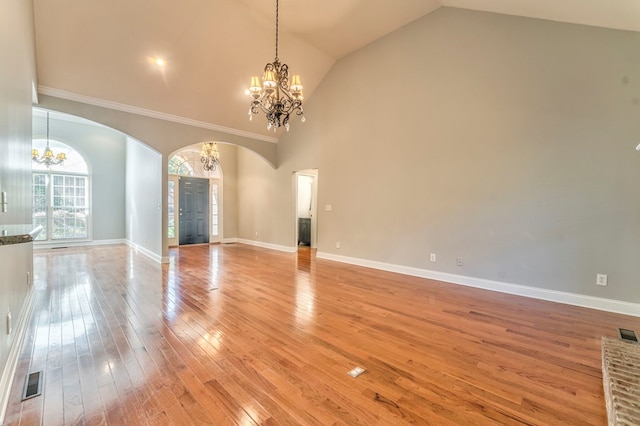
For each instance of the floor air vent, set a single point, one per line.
(627, 335)
(32, 385)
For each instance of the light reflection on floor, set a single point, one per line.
(305, 290)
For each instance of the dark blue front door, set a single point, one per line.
(194, 210)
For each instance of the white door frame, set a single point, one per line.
(176, 218)
(220, 236)
(313, 173)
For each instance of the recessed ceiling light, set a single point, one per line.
(160, 62)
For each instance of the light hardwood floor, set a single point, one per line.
(240, 335)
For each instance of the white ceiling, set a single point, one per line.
(101, 51)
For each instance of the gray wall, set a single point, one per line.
(143, 208)
(506, 141)
(265, 201)
(104, 150)
(229, 164)
(17, 76)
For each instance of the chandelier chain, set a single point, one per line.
(276, 30)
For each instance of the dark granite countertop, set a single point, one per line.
(17, 234)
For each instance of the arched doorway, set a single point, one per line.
(193, 189)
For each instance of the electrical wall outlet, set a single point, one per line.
(459, 261)
(601, 279)
(337, 244)
(432, 257)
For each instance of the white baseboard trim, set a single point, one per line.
(267, 245)
(147, 252)
(602, 304)
(6, 380)
(229, 240)
(60, 244)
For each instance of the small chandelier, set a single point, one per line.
(48, 159)
(276, 96)
(209, 156)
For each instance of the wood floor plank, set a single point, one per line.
(233, 334)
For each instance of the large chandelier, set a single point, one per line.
(277, 97)
(209, 156)
(48, 158)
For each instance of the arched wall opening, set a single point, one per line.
(91, 182)
(200, 219)
(151, 141)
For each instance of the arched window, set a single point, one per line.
(187, 163)
(61, 194)
(178, 165)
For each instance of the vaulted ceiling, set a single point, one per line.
(103, 52)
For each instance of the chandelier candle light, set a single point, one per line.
(48, 158)
(209, 156)
(277, 97)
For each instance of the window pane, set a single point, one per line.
(40, 203)
(171, 231)
(69, 213)
(214, 210)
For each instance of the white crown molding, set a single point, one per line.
(70, 96)
(599, 303)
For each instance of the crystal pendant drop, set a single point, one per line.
(303, 119)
